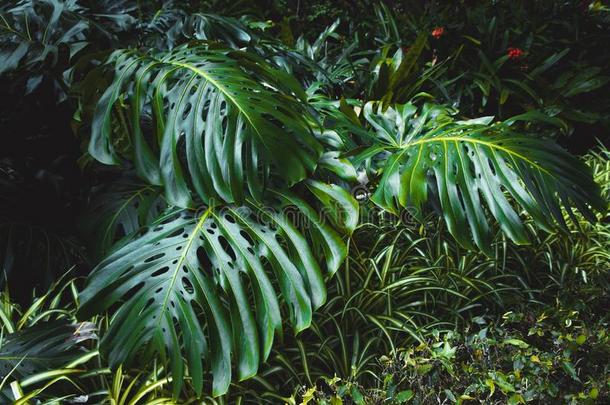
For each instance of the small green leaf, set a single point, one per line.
(492, 386)
(356, 395)
(569, 368)
(404, 396)
(516, 399)
(516, 342)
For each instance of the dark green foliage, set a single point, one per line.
(43, 37)
(211, 107)
(384, 190)
(36, 245)
(118, 210)
(466, 167)
(216, 263)
(404, 286)
(522, 357)
(43, 347)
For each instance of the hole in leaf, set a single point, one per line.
(204, 260)
(227, 247)
(161, 271)
(187, 285)
(155, 257)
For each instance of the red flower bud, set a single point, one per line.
(438, 32)
(514, 53)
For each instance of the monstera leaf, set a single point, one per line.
(117, 210)
(224, 121)
(169, 27)
(230, 31)
(42, 347)
(203, 287)
(472, 171)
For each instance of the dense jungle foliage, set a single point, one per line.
(304, 202)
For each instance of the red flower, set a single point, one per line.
(438, 32)
(515, 53)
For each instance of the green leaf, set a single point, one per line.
(516, 399)
(404, 71)
(356, 395)
(472, 172)
(501, 382)
(446, 351)
(223, 121)
(342, 167)
(338, 203)
(586, 86)
(549, 62)
(42, 347)
(537, 116)
(202, 287)
(42, 37)
(10, 59)
(569, 368)
(516, 342)
(119, 210)
(33, 32)
(404, 396)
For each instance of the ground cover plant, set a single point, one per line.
(261, 203)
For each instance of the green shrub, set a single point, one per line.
(557, 354)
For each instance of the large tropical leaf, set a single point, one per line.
(472, 171)
(118, 210)
(42, 347)
(170, 27)
(204, 286)
(230, 31)
(222, 120)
